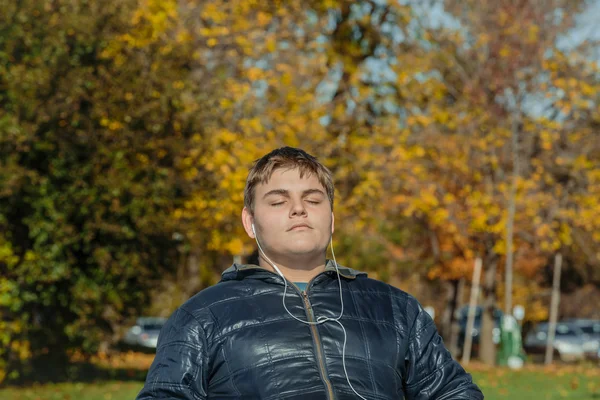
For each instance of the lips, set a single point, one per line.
(300, 226)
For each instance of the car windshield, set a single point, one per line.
(564, 330)
(152, 327)
(464, 313)
(591, 329)
(561, 330)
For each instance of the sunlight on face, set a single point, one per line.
(292, 215)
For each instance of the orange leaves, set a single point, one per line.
(420, 120)
(547, 139)
(430, 142)
(573, 85)
(505, 51)
(152, 20)
(533, 33)
(215, 12)
(454, 269)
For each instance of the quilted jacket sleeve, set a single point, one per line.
(432, 373)
(179, 368)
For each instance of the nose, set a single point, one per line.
(298, 209)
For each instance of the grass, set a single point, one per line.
(121, 378)
(108, 390)
(540, 383)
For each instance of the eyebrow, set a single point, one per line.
(286, 193)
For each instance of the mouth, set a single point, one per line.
(299, 227)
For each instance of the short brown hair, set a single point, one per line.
(288, 158)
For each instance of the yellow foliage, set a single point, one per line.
(533, 33)
(447, 162)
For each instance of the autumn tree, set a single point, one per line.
(90, 137)
(293, 75)
(459, 150)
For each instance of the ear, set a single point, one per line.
(247, 220)
(332, 223)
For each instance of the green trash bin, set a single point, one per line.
(510, 352)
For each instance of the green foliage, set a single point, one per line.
(88, 178)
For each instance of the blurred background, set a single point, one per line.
(456, 131)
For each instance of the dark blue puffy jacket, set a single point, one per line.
(235, 340)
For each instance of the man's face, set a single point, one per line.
(292, 216)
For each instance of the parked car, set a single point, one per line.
(144, 334)
(571, 343)
(590, 327)
(462, 316)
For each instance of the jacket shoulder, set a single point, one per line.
(405, 306)
(364, 283)
(222, 291)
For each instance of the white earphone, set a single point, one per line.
(321, 319)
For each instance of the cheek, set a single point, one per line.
(269, 223)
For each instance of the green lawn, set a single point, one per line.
(539, 384)
(534, 383)
(109, 390)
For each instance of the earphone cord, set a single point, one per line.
(321, 319)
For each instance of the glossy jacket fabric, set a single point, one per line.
(235, 340)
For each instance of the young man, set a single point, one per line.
(322, 332)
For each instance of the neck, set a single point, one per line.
(295, 270)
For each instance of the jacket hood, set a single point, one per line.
(240, 271)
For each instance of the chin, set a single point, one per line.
(305, 250)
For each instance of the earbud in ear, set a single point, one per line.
(253, 230)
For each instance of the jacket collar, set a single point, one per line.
(239, 271)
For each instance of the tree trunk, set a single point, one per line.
(193, 274)
(511, 215)
(553, 309)
(466, 357)
(449, 323)
(450, 306)
(487, 348)
(455, 326)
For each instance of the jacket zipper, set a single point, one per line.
(314, 331)
(319, 347)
